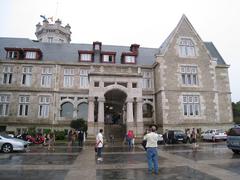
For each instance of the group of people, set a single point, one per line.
(74, 135)
(49, 140)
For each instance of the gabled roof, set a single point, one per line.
(163, 48)
(208, 45)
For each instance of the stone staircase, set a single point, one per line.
(117, 130)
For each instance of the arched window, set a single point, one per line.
(186, 48)
(67, 110)
(83, 111)
(147, 110)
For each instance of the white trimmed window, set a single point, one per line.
(189, 75)
(130, 59)
(26, 76)
(86, 57)
(7, 74)
(46, 77)
(4, 104)
(84, 78)
(147, 80)
(186, 48)
(23, 108)
(44, 104)
(12, 55)
(191, 105)
(108, 58)
(68, 78)
(31, 55)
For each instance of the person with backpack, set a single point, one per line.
(129, 137)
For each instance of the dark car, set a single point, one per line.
(233, 139)
(175, 136)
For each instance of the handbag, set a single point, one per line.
(144, 143)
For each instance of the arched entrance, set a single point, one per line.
(114, 111)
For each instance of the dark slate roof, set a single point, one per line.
(214, 53)
(68, 53)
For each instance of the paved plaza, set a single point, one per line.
(211, 161)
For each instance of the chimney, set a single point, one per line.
(134, 48)
(97, 46)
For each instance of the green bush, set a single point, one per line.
(32, 131)
(59, 135)
(79, 124)
(46, 131)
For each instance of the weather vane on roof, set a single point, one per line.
(45, 18)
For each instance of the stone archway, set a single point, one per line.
(114, 111)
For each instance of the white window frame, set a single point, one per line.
(189, 75)
(107, 57)
(44, 106)
(7, 74)
(31, 55)
(12, 54)
(4, 104)
(147, 80)
(130, 59)
(86, 57)
(68, 78)
(191, 105)
(26, 76)
(24, 104)
(46, 77)
(186, 48)
(84, 78)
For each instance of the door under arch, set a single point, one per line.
(114, 111)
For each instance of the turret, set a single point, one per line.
(53, 33)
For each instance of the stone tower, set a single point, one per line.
(53, 33)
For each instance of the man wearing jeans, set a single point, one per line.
(99, 145)
(152, 154)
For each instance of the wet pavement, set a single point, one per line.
(209, 161)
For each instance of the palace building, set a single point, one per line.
(48, 82)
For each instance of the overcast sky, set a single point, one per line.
(123, 22)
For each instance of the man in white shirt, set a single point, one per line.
(152, 154)
(99, 145)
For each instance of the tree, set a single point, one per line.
(79, 124)
(236, 112)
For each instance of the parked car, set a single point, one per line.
(233, 139)
(9, 144)
(214, 134)
(175, 136)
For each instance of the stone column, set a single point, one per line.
(91, 131)
(101, 101)
(130, 120)
(139, 123)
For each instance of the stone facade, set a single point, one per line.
(155, 89)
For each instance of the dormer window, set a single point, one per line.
(186, 48)
(31, 55)
(13, 53)
(108, 57)
(85, 56)
(130, 59)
